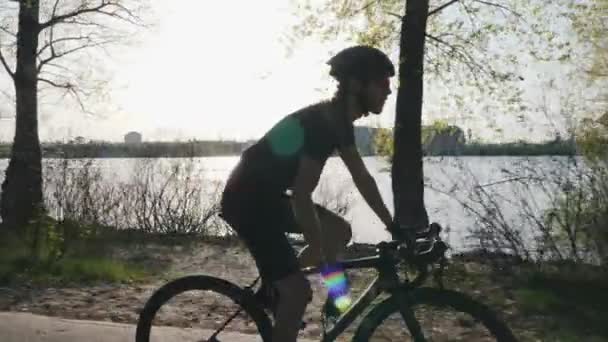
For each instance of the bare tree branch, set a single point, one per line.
(400, 17)
(132, 18)
(116, 15)
(442, 7)
(54, 84)
(440, 41)
(68, 33)
(54, 55)
(57, 19)
(50, 42)
(66, 71)
(5, 64)
(7, 95)
(69, 89)
(462, 52)
(499, 6)
(7, 31)
(56, 75)
(78, 22)
(368, 5)
(108, 8)
(470, 14)
(50, 45)
(55, 8)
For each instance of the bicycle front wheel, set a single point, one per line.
(202, 308)
(442, 315)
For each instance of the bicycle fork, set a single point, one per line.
(409, 316)
(389, 278)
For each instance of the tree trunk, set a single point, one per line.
(407, 175)
(22, 186)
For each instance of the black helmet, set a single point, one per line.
(361, 62)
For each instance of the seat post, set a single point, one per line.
(387, 266)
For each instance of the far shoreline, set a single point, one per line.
(364, 156)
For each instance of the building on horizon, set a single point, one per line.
(133, 138)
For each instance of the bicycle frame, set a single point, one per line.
(386, 261)
(386, 281)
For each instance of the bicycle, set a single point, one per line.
(405, 298)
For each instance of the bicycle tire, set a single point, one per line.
(440, 299)
(205, 283)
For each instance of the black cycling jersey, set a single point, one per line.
(311, 131)
(252, 203)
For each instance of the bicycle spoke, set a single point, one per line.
(207, 316)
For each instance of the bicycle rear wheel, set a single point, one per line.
(203, 305)
(443, 315)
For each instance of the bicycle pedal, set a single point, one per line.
(330, 310)
(328, 322)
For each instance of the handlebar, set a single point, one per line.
(420, 249)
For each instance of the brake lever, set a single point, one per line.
(419, 244)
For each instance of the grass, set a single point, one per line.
(111, 255)
(87, 265)
(68, 270)
(575, 298)
(549, 302)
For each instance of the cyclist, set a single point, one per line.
(290, 157)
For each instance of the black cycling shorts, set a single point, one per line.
(262, 220)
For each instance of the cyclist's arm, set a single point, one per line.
(307, 177)
(365, 183)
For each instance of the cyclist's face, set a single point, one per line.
(376, 93)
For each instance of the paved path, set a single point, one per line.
(26, 327)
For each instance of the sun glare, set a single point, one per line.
(220, 71)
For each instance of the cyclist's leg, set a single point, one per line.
(294, 294)
(261, 226)
(336, 234)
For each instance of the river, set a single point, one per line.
(511, 183)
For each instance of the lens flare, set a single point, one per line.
(286, 138)
(337, 285)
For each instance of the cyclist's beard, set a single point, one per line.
(363, 103)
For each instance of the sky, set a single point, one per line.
(221, 71)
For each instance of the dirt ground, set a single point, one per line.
(122, 302)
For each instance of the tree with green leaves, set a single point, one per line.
(42, 46)
(591, 24)
(457, 42)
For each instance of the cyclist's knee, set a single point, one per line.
(341, 233)
(296, 288)
(346, 233)
(336, 228)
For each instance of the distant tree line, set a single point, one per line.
(440, 139)
(144, 150)
(381, 144)
(550, 148)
